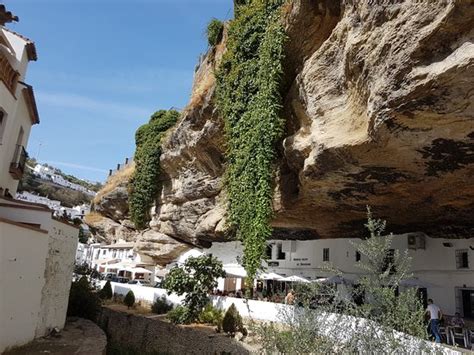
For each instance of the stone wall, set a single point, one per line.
(151, 334)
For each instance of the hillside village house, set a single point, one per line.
(119, 259)
(443, 269)
(36, 250)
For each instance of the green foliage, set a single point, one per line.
(215, 28)
(179, 315)
(83, 301)
(211, 315)
(82, 235)
(144, 185)
(161, 306)
(196, 278)
(249, 100)
(232, 321)
(129, 299)
(106, 292)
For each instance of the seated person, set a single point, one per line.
(457, 321)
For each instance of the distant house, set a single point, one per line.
(36, 250)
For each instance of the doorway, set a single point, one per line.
(467, 297)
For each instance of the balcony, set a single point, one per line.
(17, 166)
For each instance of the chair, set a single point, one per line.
(460, 334)
(444, 334)
(470, 338)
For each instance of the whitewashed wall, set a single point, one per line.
(22, 264)
(58, 271)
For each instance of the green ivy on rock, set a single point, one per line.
(144, 185)
(249, 100)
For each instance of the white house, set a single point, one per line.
(443, 268)
(119, 259)
(36, 250)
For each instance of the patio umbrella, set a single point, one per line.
(337, 279)
(270, 276)
(294, 278)
(415, 282)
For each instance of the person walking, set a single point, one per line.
(435, 316)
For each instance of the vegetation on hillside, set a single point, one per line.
(144, 186)
(249, 100)
(45, 188)
(215, 28)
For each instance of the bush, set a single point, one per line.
(194, 279)
(129, 299)
(232, 321)
(215, 28)
(106, 292)
(179, 315)
(211, 315)
(83, 302)
(161, 306)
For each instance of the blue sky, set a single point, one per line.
(103, 67)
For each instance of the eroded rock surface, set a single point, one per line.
(378, 101)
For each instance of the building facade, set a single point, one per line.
(444, 268)
(36, 250)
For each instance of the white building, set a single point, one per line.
(444, 266)
(49, 173)
(36, 251)
(119, 259)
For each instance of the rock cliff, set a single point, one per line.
(378, 100)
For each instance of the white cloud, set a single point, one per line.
(75, 166)
(79, 102)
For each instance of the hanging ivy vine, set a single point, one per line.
(249, 100)
(144, 185)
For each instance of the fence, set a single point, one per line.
(120, 167)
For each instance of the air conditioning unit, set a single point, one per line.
(416, 241)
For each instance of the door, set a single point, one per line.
(468, 303)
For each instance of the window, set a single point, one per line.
(268, 251)
(103, 252)
(281, 254)
(462, 259)
(326, 254)
(3, 123)
(357, 256)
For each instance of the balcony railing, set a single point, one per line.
(17, 166)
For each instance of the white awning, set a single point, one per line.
(294, 278)
(269, 276)
(138, 270)
(235, 270)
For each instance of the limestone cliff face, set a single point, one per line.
(379, 106)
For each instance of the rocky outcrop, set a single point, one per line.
(378, 100)
(379, 110)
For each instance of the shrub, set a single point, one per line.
(195, 279)
(179, 315)
(215, 28)
(129, 299)
(83, 302)
(232, 321)
(161, 306)
(212, 315)
(106, 292)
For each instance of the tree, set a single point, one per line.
(232, 321)
(82, 236)
(129, 299)
(83, 301)
(106, 292)
(196, 278)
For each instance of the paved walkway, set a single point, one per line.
(79, 337)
